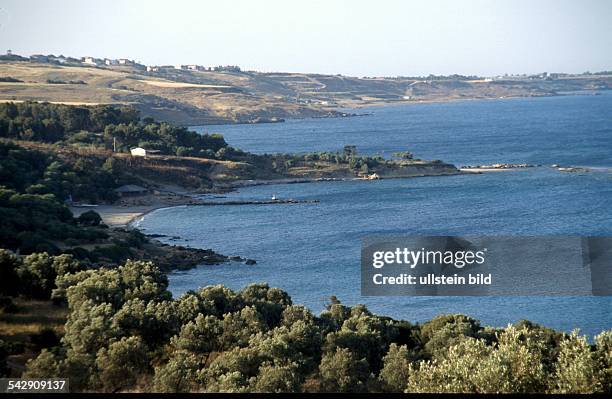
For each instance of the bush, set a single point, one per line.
(124, 330)
(577, 368)
(179, 374)
(121, 364)
(394, 373)
(342, 371)
(277, 379)
(514, 365)
(89, 218)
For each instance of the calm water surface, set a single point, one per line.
(312, 250)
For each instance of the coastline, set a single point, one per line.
(443, 100)
(123, 215)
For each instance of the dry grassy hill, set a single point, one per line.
(204, 97)
(191, 100)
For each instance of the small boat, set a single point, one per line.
(274, 197)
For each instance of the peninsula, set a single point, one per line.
(74, 177)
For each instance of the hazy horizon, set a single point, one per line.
(355, 38)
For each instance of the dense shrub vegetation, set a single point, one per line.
(33, 172)
(125, 332)
(103, 126)
(33, 187)
(120, 129)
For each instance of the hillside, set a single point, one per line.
(191, 97)
(58, 159)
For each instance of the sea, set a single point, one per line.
(312, 250)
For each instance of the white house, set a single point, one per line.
(138, 152)
(90, 61)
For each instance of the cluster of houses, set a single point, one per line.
(155, 68)
(53, 59)
(108, 61)
(97, 62)
(194, 67)
(537, 76)
(90, 61)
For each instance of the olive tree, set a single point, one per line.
(342, 371)
(577, 368)
(396, 363)
(179, 374)
(119, 365)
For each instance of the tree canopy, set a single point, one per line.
(125, 332)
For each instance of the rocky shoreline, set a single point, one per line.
(178, 257)
(125, 214)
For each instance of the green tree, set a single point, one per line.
(451, 373)
(239, 326)
(444, 331)
(178, 375)
(577, 368)
(121, 364)
(604, 354)
(89, 218)
(277, 379)
(342, 371)
(233, 371)
(514, 365)
(200, 337)
(396, 363)
(45, 365)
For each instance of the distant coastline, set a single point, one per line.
(194, 95)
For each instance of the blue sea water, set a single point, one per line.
(312, 250)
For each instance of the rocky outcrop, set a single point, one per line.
(399, 169)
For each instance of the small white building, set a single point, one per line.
(138, 152)
(90, 61)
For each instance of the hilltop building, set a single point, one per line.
(91, 61)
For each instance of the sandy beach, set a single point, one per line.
(126, 210)
(116, 215)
